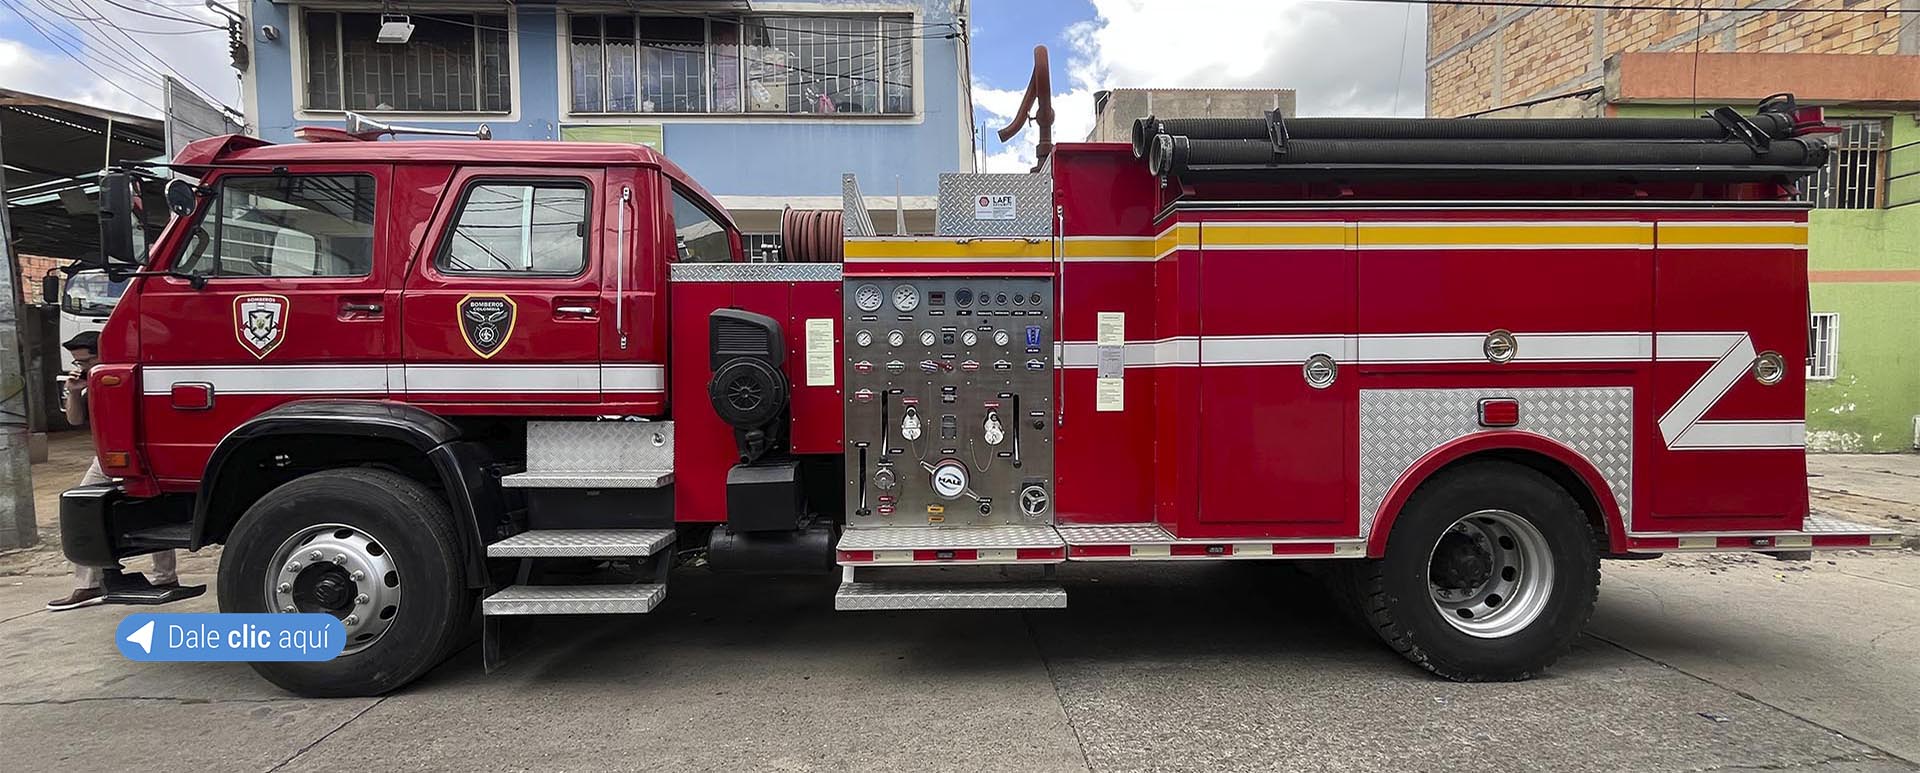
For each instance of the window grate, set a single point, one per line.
(452, 64)
(1852, 178)
(837, 64)
(1823, 338)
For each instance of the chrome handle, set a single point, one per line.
(584, 311)
(620, 269)
(1021, 239)
(1059, 309)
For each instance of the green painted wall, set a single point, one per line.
(1870, 404)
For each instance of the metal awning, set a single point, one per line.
(54, 151)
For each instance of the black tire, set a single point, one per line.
(1395, 599)
(407, 520)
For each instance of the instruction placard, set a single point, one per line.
(1110, 362)
(820, 356)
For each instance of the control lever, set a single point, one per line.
(1016, 429)
(862, 511)
(886, 403)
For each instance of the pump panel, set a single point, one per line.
(949, 416)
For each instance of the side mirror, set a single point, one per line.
(50, 289)
(182, 197)
(122, 234)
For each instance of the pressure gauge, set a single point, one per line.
(867, 297)
(896, 339)
(927, 338)
(863, 338)
(1000, 338)
(905, 298)
(969, 338)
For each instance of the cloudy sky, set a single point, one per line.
(1344, 58)
(101, 53)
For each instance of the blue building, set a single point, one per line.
(766, 103)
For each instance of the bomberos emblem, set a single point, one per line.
(486, 322)
(260, 322)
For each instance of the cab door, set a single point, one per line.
(504, 304)
(292, 270)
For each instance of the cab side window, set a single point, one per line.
(287, 226)
(518, 227)
(698, 235)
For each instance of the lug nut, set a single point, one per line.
(284, 587)
(293, 566)
(357, 575)
(288, 609)
(352, 620)
(314, 556)
(340, 559)
(360, 599)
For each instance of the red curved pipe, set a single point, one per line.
(1039, 90)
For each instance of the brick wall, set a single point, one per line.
(1483, 57)
(32, 267)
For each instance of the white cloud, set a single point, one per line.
(1341, 58)
(113, 43)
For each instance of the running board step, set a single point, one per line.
(582, 543)
(588, 479)
(885, 545)
(574, 600)
(919, 595)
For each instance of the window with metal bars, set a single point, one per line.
(1823, 345)
(1856, 168)
(839, 64)
(761, 246)
(454, 63)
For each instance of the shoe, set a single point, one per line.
(80, 597)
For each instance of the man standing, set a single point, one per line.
(86, 580)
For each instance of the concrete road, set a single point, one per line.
(1731, 662)
(1706, 664)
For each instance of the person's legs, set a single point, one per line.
(166, 568)
(86, 579)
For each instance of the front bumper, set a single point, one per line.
(100, 524)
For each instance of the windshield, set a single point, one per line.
(92, 294)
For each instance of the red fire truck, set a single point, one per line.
(1453, 363)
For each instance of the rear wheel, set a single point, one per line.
(373, 548)
(1490, 574)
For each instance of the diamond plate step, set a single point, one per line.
(916, 595)
(949, 537)
(588, 479)
(574, 600)
(582, 543)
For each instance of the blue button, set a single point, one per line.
(1033, 335)
(254, 637)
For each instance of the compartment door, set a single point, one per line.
(1729, 451)
(1277, 390)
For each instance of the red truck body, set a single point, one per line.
(1238, 368)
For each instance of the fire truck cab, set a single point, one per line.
(1455, 364)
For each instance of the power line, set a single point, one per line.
(147, 75)
(97, 23)
(1603, 6)
(82, 62)
(116, 24)
(164, 16)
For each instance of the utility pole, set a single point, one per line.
(17, 526)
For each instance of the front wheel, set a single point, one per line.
(1490, 574)
(373, 548)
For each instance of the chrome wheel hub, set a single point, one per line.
(1490, 574)
(337, 570)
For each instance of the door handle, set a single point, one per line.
(364, 308)
(573, 311)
